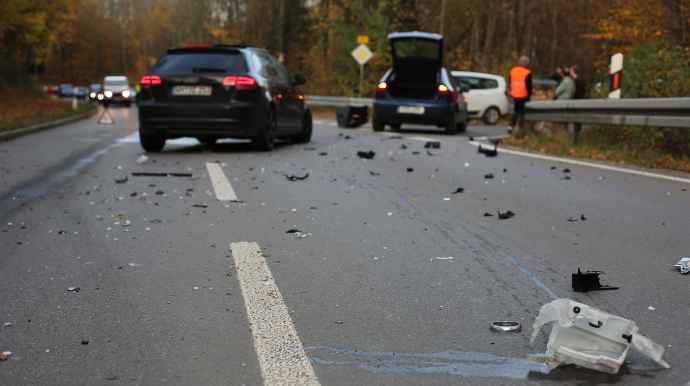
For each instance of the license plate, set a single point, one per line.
(411, 109)
(192, 90)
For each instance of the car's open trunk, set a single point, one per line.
(414, 81)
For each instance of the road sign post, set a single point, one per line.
(616, 74)
(362, 54)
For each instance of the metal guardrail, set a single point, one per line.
(656, 112)
(317, 100)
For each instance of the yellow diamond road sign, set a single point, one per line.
(362, 54)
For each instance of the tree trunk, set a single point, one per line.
(554, 41)
(474, 40)
(490, 30)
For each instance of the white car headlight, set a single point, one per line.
(125, 94)
(100, 97)
(92, 95)
(108, 94)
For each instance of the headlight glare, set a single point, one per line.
(100, 97)
(125, 94)
(108, 94)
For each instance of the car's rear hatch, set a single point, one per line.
(201, 74)
(417, 62)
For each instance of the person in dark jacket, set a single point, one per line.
(579, 83)
(520, 90)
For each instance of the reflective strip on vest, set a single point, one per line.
(518, 82)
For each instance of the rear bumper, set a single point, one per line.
(219, 120)
(435, 113)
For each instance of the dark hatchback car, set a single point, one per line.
(418, 89)
(221, 91)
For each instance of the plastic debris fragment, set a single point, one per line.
(683, 265)
(410, 170)
(403, 146)
(200, 206)
(133, 264)
(84, 341)
(566, 178)
(121, 181)
(7, 325)
(295, 178)
(146, 174)
(115, 266)
(490, 175)
(293, 231)
(74, 289)
(430, 153)
(142, 159)
(366, 154)
(566, 170)
(505, 326)
(582, 217)
(374, 174)
(572, 219)
(587, 337)
(432, 145)
(506, 215)
(488, 215)
(553, 168)
(488, 152)
(458, 190)
(444, 258)
(323, 154)
(589, 281)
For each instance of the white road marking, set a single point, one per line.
(318, 122)
(416, 138)
(282, 358)
(333, 124)
(221, 185)
(425, 139)
(594, 165)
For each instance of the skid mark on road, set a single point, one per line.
(466, 364)
(221, 185)
(282, 358)
(524, 270)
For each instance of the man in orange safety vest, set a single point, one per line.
(520, 90)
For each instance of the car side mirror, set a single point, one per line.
(300, 79)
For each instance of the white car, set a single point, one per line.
(488, 95)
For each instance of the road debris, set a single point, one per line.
(374, 174)
(338, 321)
(410, 170)
(582, 217)
(146, 174)
(651, 308)
(458, 190)
(142, 159)
(488, 215)
(403, 146)
(121, 181)
(3, 356)
(366, 154)
(7, 325)
(432, 145)
(115, 266)
(587, 337)
(293, 231)
(488, 152)
(295, 178)
(308, 148)
(200, 206)
(505, 326)
(74, 289)
(430, 153)
(506, 215)
(446, 199)
(566, 178)
(489, 176)
(444, 258)
(589, 281)
(323, 154)
(84, 341)
(566, 170)
(572, 219)
(553, 168)
(683, 265)
(133, 264)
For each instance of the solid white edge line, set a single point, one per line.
(583, 163)
(282, 358)
(221, 185)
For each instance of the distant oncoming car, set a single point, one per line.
(487, 97)
(221, 91)
(94, 91)
(65, 89)
(116, 90)
(81, 92)
(418, 89)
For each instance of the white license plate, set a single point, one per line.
(411, 109)
(191, 90)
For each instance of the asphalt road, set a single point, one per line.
(365, 294)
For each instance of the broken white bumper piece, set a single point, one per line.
(587, 337)
(684, 265)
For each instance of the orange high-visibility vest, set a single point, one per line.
(518, 82)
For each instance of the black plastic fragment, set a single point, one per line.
(410, 170)
(309, 148)
(488, 215)
(395, 137)
(599, 324)
(458, 190)
(293, 231)
(553, 168)
(490, 175)
(146, 174)
(627, 337)
(582, 217)
(403, 146)
(566, 170)
(366, 154)
(295, 178)
(589, 281)
(429, 153)
(323, 154)
(415, 152)
(374, 174)
(506, 215)
(200, 206)
(84, 341)
(432, 145)
(505, 170)
(566, 178)
(121, 181)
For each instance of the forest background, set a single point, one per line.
(80, 41)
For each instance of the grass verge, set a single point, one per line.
(21, 107)
(644, 147)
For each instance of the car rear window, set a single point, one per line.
(416, 48)
(478, 83)
(231, 61)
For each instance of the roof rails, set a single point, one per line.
(208, 46)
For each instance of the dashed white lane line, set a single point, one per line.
(593, 165)
(282, 358)
(221, 185)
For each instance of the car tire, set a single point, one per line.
(266, 139)
(491, 116)
(396, 126)
(307, 129)
(152, 143)
(452, 125)
(378, 125)
(208, 141)
(128, 104)
(462, 126)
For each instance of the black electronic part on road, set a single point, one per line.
(588, 281)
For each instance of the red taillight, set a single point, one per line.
(240, 82)
(148, 80)
(444, 90)
(382, 87)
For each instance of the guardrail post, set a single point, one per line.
(576, 133)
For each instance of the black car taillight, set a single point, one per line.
(240, 82)
(148, 80)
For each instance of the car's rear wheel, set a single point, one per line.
(452, 124)
(208, 141)
(151, 142)
(491, 116)
(377, 125)
(267, 136)
(462, 125)
(307, 128)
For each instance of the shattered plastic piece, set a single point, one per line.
(115, 266)
(566, 178)
(7, 325)
(430, 153)
(651, 308)
(488, 152)
(200, 206)
(366, 154)
(446, 199)
(121, 181)
(144, 174)
(444, 258)
(323, 154)
(490, 175)
(572, 218)
(293, 231)
(432, 145)
(160, 193)
(566, 170)
(506, 215)
(488, 215)
(683, 265)
(410, 170)
(157, 221)
(295, 178)
(587, 337)
(142, 159)
(133, 264)
(505, 326)
(84, 341)
(403, 146)
(582, 217)
(553, 168)
(74, 289)
(458, 190)
(374, 174)
(415, 152)
(309, 148)
(588, 281)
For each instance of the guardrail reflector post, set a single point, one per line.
(616, 74)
